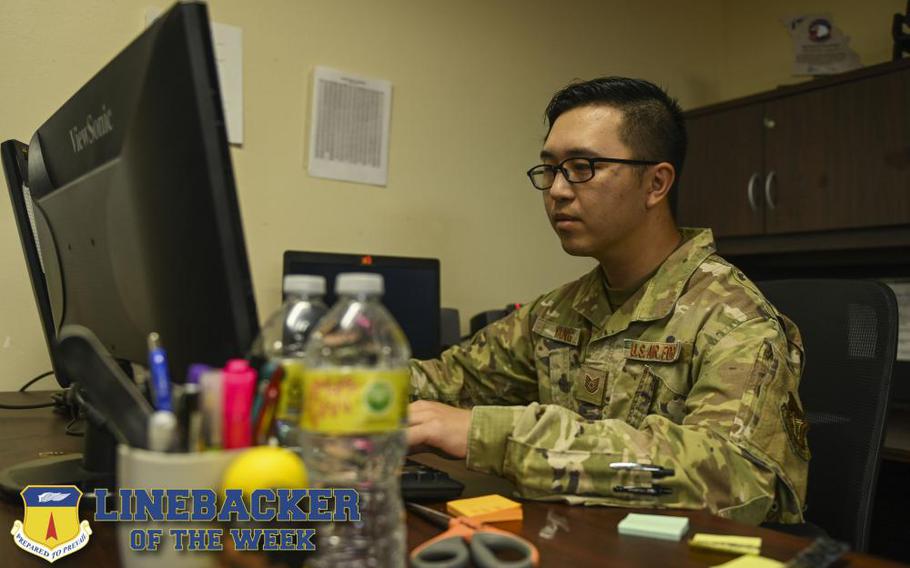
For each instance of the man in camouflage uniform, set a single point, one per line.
(663, 355)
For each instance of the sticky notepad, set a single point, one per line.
(751, 561)
(654, 526)
(727, 543)
(489, 508)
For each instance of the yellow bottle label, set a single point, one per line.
(289, 402)
(337, 401)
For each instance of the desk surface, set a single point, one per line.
(591, 540)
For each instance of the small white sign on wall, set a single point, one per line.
(819, 47)
(227, 43)
(349, 127)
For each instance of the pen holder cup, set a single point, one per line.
(143, 469)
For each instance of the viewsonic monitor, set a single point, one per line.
(126, 206)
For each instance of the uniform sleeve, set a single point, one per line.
(731, 453)
(496, 367)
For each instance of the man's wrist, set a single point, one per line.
(491, 427)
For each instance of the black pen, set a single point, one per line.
(653, 490)
(191, 414)
(656, 471)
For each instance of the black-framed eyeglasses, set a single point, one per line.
(574, 170)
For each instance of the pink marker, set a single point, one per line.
(239, 379)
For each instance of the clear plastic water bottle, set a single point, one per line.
(354, 419)
(280, 348)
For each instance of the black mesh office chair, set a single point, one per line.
(849, 330)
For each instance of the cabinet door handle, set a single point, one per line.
(769, 181)
(750, 192)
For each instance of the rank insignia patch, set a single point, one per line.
(590, 386)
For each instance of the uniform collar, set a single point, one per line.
(655, 298)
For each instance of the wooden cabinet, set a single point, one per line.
(871, 151)
(798, 131)
(720, 185)
(828, 155)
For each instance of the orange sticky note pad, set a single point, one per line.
(488, 509)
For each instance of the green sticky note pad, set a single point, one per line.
(654, 526)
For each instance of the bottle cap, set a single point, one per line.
(304, 284)
(359, 283)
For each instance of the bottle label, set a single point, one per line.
(337, 401)
(291, 396)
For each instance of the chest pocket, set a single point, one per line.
(644, 388)
(557, 350)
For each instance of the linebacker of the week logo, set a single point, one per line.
(51, 528)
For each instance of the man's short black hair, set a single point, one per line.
(653, 126)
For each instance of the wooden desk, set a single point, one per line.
(591, 540)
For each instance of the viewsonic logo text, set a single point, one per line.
(95, 127)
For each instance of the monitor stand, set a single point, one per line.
(114, 408)
(89, 470)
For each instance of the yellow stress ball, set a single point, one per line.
(264, 467)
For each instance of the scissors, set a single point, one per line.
(468, 540)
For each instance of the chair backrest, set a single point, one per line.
(849, 330)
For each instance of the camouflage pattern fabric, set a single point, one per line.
(696, 372)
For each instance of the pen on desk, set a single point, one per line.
(212, 407)
(161, 380)
(239, 381)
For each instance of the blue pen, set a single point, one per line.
(161, 381)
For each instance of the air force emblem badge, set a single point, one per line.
(51, 528)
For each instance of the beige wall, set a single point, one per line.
(470, 81)
(757, 53)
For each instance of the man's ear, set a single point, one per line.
(659, 182)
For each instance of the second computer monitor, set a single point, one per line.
(411, 289)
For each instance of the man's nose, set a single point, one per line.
(561, 188)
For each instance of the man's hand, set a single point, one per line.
(439, 426)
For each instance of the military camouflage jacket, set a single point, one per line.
(696, 372)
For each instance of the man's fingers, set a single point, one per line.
(419, 416)
(421, 404)
(417, 435)
(438, 425)
(421, 411)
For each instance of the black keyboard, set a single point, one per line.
(421, 482)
